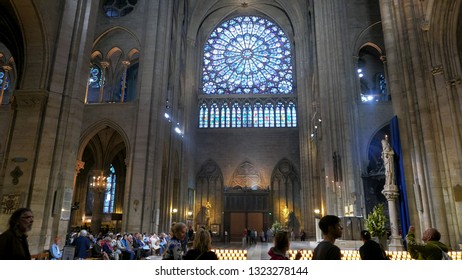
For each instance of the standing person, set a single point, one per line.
(201, 247)
(302, 235)
(431, 249)
(55, 252)
(190, 234)
(82, 244)
(269, 235)
(331, 230)
(13, 242)
(262, 235)
(371, 250)
(281, 246)
(177, 245)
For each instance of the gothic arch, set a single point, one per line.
(286, 194)
(247, 176)
(31, 59)
(102, 146)
(209, 194)
(94, 129)
(206, 17)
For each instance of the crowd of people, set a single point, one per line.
(174, 245)
(120, 246)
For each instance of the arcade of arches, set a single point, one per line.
(131, 115)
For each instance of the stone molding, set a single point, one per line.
(30, 100)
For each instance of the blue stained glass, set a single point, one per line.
(291, 115)
(269, 115)
(214, 116)
(2, 77)
(110, 191)
(245, 52)
(203, 116)
(225, 116)
(236, 116)
(95, 77)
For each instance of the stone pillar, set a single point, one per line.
(125, 63)
(391, 193)
(104, 65)
(17, 189)
(76, 207)
(98, 186)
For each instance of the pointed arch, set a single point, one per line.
(209, 194)
(247, 176)
(92, 130)
(286, 193)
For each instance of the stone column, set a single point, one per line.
(125, 63)
(104, 65)
(98, 186)
(76, 208)
(6, 69)
(391, 193)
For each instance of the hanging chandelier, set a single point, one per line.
(99, 183)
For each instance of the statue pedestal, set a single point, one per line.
(395, 244)
(391, 193)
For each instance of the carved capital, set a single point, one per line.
(456, 81)
(126, 63)
(390, 192)
(104, 64)
(79, 165)
(425, 26)
(27, 100)
(436, 70)
(7, 68)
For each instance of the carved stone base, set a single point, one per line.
(395, 244)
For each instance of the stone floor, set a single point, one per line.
(260, 250)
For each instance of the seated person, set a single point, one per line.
(97, 250)
(109, 250)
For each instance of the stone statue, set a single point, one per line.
(207, 209)
(388, 161)
(285, 215)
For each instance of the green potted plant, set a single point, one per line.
(277, 226)
(376, 224)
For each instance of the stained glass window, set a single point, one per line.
(214, 116)
(269, 115)
(280, 117)
(253, 56)
(203, 116)
(109, 196)
(291, 115)
(247, 55)
(118, 8)
(382, 84)
(247, 115)
(95, 77)
(225, 116)
(2, 78)
(236, 120)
